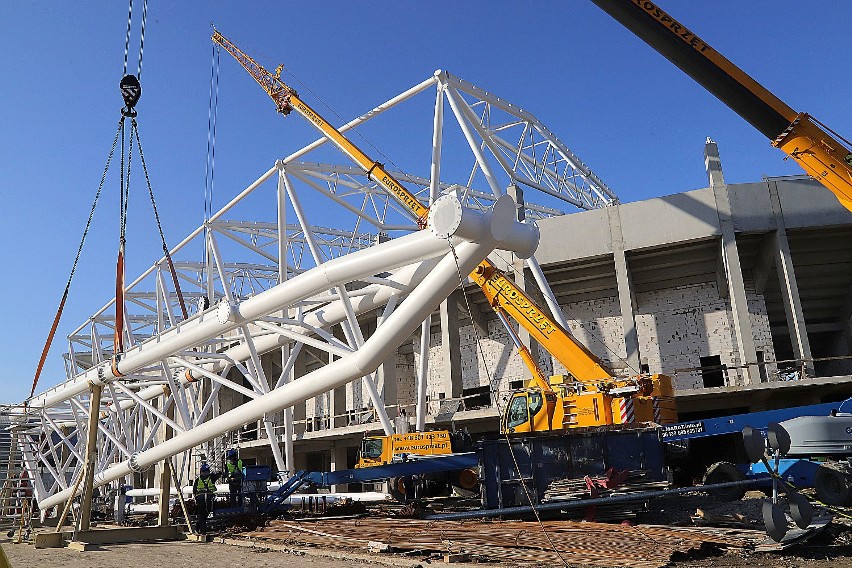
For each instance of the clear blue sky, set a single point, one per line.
(638, 122)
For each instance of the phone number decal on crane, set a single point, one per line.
(683, 429)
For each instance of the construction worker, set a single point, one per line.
(234, 473)
(204, 490)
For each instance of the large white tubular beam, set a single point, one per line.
(369, 298)
(392, 254)
(486, 230)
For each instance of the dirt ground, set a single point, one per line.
(832, 551)
(165, 555)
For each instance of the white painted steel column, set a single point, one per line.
(422, 374)
(283, 245)
(357, 337)
(544, 287)
(455, 103)
(426, 327)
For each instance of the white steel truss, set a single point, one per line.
(262, 292)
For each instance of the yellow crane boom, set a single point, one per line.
(822, 153)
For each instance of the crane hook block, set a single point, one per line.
(131, 90)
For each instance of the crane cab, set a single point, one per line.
(530, 410)
(642, 399)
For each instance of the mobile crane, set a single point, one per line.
(821, 152)
(588, 396)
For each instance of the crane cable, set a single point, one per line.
(212, 114)
(130, 92)
(166, 253)
(492, 382)
(74, 265)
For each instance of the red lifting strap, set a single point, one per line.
(118, 343)
(49, 341)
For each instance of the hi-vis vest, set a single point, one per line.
(205, 485)
(235, 471)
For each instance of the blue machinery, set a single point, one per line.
(513, 470)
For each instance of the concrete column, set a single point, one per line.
(789, 286)
(451, 359)
(733, 269)
(299, 409)
(338, 462)
(626, 296)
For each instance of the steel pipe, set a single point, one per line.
(495, 229)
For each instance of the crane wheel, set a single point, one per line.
(724, 472)
(832, 486)
(397, 488)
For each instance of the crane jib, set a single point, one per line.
(676, 27)
(524, 305)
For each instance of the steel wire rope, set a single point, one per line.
(76, 260)
(135, 133)
(142, 38)
(212, 115)
(127, 37)
(500, 412)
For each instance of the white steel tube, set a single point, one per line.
(391, 254)
(538, 275)
(283, 246)
(369, 298)
(421, 303)
(399, 325)
(456, 103)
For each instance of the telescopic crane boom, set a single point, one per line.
(822, 153)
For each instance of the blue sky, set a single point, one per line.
(638, 122)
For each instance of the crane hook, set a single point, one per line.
(131, 90)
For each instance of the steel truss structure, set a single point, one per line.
(262, 292)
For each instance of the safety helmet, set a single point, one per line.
(205, 468)
(232, 453)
